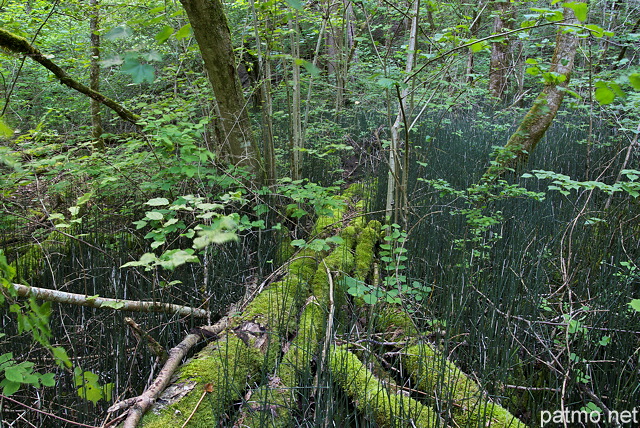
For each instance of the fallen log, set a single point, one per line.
(57, 296)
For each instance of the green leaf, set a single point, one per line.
(5, 130)
(9, 388)
(164, 34)
(311, 69)
(596, 31)
(14, 374)
(634, 79)
(157, 202)
(604, 95)
(183, 32)
(154, 215)
(580, 9)
(48, 379)
(139, 72)
(295, 4)
(386, 83)
(61, 356)
(477, 47)
(112, 305)
(119, 32)
(111, 61)
(635, 305)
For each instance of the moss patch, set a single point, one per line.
(228, 365)
(373, 398)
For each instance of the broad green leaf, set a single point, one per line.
(634, 79)
(596, 31)
(183, 32)
(385, 82)
(635, 305)
(139, 72)
(477, 47)
(295, 4)
(152, 56)
(154, 215)
(9, 387)
(164, 34)
(604, 95)
(174, 258)
(112, 61)
(311, 69)
(157, 202)
(119, 32)
(14, 374)
(580, 9)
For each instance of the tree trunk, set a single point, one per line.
(94, 75)
(544, 109)
(296, 107)
(499, 64)
(266, 106)
(211, 30)
(398, 173)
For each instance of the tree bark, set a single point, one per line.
(50, 295)
(20, 45)
(499, 63)
(211, 30)
(94, 75)
(544, 109)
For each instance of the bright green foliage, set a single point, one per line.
(13, 375)
(565, 185)
(89, 386)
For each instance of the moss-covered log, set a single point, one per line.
(387, 409)
(453, 390)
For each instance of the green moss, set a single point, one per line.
(278, 305)
(272, 405)
(469, 406)
(228, 365)
(365, 251)
(394, 321)
(373, 398)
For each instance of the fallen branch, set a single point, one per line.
(104, 302)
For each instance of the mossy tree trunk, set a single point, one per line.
(211, 30)
(544, 109)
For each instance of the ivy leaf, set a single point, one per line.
(119, 32)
